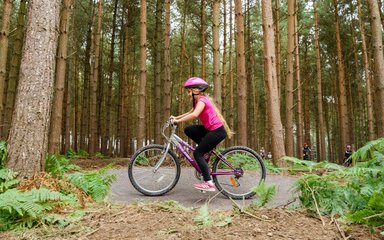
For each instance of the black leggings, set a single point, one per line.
(206, 140)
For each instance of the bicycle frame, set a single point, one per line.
(183, 147)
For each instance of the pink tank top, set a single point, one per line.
(208, 116)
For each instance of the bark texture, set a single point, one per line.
(28, 139)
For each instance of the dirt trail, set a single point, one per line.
(123, 192)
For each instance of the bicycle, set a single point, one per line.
(154, 169)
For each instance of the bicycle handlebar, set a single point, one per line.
(166, 125)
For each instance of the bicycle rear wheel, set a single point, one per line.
(251, 171)
(145, 178)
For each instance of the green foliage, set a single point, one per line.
(264, 194)
(26, 209)
(373, 150)
(310, 166)
(204, 219)
(172, 205)
(29, 208)
(373, 213)
(323, 194)
(71, 154)
(99, 155)
(242, 160)
(354, 193)
(271, 167)
(95, 183)
(7, 179)
(58, 165)
(142, 160)
(3, 153)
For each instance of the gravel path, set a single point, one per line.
(122, 191)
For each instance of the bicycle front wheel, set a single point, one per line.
(250, 171)
(148, 180)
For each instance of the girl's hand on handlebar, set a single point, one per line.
(173, 120)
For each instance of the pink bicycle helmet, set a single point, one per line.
(196, 82)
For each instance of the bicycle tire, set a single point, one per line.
(239, 186)
(142, 177)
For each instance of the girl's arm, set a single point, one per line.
(182, 115)
(194, 113)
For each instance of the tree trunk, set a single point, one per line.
(58, 97)
(124, 105)
(378, 58)
(14, 71)
(108, 139)
(367, 76)
(320, 149)
(343, 108)
(299, 120)
(216, 54)
(180, 103)
(167, 64)
(77, 104)
(143, 73)
(306, 95)
(230, 67)
(4, 39)
(67, 116)
(277, 43)
(202, 39)
(93, 138)
(28, 140)
(224, 84)
(157, 57)
(88, 73)
(241, 75)
(289, 81)
(271, 85)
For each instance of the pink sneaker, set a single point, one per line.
(205, 186)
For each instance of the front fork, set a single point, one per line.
(158, 164)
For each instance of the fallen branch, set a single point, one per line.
(314, 199)
(88, 234)
(375, 215)
(117, 214)
(340, 230)
(248, 213)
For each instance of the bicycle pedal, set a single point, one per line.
(203, 191)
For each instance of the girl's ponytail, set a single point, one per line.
(230, 133)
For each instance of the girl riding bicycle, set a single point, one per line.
(213, 130)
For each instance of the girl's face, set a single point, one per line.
(194, 91)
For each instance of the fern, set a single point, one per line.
(71, 154)
(265, 194)
(203, 218)
(3, 153)
(58, 165)
(373, 213)
(354, 193)
(7, 179)
(24, 209)
(310, 166)
(271, 167)
(95, 183)
(367, 152)
(99, 155)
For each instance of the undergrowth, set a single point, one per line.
(42, 199)
(354, 194)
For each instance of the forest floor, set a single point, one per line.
(170, 220)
